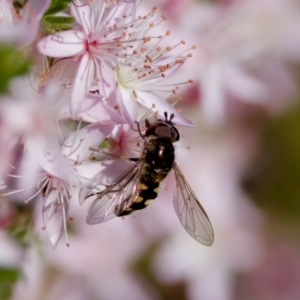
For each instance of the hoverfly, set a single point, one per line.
(138, 186)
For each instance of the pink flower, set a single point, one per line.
(117, 53)
(26, 114)
(57, 174)
(144, 79)
(244, 53)
(46, 165)
(20, 26)
(96, 43)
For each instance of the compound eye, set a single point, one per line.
(163, 131)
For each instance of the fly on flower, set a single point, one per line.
(138, 186)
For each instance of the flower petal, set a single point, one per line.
(84, 15)
(88, 171)
(77, 146)
(81, 84)
(63, 44)
(37, 8)
(97, 175)
(100, 112)
(242, 85)
(127, 103)
(109, 171)
(53, 217)
(213, 95)
(47, 154)
(155, 102)
(105, 77)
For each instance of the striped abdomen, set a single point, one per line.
(158, 161)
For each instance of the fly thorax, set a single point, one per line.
(159, 155)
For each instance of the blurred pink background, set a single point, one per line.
(242, 160)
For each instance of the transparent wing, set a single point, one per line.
(190, 212)
(125, 186)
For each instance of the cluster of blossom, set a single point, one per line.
(85, 88)
(246, 53)
(85, 94)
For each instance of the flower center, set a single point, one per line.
(125, 76)
(91, 45)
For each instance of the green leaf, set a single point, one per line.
(8, 278)
(13, 63)
(57, 6)
(59, 19)
(55, 9)
(54, 24)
